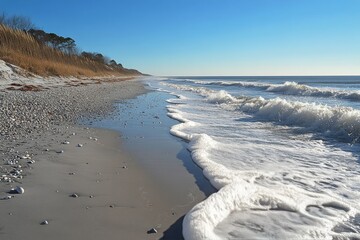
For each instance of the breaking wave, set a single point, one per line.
(340, 122)
(289, 88)
(272, 184)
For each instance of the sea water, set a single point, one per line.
(283, 153)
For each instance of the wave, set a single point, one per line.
(293, 213)
(263, 203)
(289, 88)
(342, 123)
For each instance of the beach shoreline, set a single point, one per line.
(83, 181)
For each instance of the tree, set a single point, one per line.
(2, 18)
(113, 63)
(18, 22)
(64, 44)
(97, 57)
(39, 35)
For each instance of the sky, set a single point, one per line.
(209, 37)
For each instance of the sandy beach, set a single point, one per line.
(86, 183)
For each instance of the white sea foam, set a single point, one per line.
(245, 200)
(271, 185)
(289, 88)
(340, 122)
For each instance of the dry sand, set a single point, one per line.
(116, 197)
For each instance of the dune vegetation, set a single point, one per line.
(22, 48)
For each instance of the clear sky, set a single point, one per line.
(209, 37)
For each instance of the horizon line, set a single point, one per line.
(339, 75)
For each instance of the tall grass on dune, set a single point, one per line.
(20, 48)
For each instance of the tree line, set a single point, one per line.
(66, 45)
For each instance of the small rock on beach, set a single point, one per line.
(18, 190)
(45, 222)
(153, 230)
(74, 195)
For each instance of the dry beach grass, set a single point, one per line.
(20, 48)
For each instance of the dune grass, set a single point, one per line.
(19, 48)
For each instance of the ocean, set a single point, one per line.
(283, 153)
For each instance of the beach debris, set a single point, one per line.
(46, 150)
(66, 142)
(60, 151)
(112, 206)
(45, 222)
(31, 162)
(152, 230)
(95, 139)
(124, 167)
(71, 173)
(74, 195)
(91, 196)
(73, 134)
(79, 145)
(157, 117)
(17, 190)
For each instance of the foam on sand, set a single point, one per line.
(243, 202)
(269, 186)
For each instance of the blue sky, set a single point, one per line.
(209, 37)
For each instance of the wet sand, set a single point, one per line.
(124, 185)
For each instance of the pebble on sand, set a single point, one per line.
(6, 197)
(74, 195)
(79, 145)
(153, 230)
(45, 222)
(18, 190)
